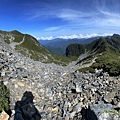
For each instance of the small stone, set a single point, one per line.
(81, 99)
(55, 109)
(21, 84)
(67, 117)
(2, 73)
(13, 80)
(5, 83)
(118, 105)
(13, 112)
(77, 108)
(93, 89)
(16, 86)
(60, 94)
(78, 89)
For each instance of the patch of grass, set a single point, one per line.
(17, 35)
(91, 70)
(4, 97)
(109, 62)
(7, 40)
(115, 112)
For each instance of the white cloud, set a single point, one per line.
(45, 38)
(108, 18)
(68, 37)
(72, 19)
(83, 36)
(79, 36)
(52, 28)
(71, 15)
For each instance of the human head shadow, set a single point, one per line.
(88, 114)
(25, 108)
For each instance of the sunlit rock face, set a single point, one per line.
(4, 116)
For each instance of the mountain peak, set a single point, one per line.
(105, 50)
(16, 32)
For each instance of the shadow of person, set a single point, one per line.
(88, 114)
(25, 108)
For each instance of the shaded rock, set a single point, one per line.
(77, 108)
(118, 105)
(25, 109)
(72, 114)
(88, 114)
(5, 83)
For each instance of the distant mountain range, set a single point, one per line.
(58, 45)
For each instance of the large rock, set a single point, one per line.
(78, 88)
(77, 108)
(4, 116)
(109, 97)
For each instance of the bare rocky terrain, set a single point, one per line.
(60, 92)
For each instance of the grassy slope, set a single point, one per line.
(39, 53)
(32, 48)
(109, 61)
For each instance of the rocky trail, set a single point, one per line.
(14, 44)
(59, 92)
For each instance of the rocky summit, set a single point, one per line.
(60, 92)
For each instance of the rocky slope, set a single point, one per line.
(30, 47)
(60, 92)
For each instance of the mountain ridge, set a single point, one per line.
(30, 47)
(99, 45)
(58, 46)
(105, 50)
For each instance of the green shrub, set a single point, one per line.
(4, 97)
(109, 62)
(91, 70)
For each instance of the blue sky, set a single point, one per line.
(53, 18)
